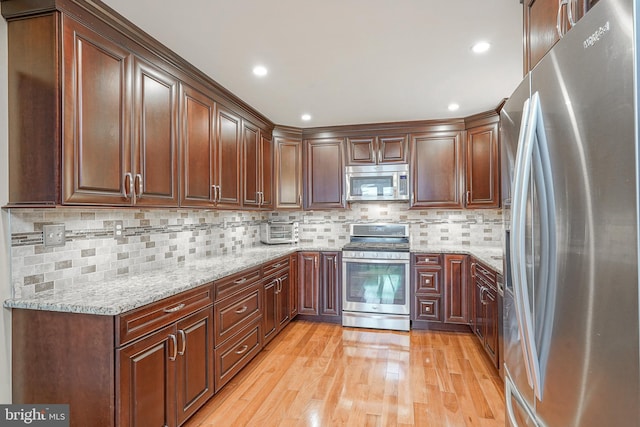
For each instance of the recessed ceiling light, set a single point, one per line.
(453, 106)
(306, 117)
(260, 70)
(480, 47)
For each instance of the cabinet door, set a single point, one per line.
(266, 172)
(437, 162)
(324, 173)
(308, 283)
(483, 167)
(252, 163)
(491, 324)
(284, 305)
(330, 283)
(293, 285)
(194, 364)
(227, 163)
(392, 149)
(198, 115)
(155, 112)
(540, 26)
(96, 122)
(288, 173)
(456, 296)
(479, 310)
(146, 380)
(362, 150)
(270, 313)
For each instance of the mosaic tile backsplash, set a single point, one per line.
(159, 238)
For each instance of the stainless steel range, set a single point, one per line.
(375, 277)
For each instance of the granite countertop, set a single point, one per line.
(118, 295)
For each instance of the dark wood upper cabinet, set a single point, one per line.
(376, 150)
(96, 124)
(483, 166)
(227, 167)
(155, 103)
(324, 173)
(288, 172)
(198, 148)
(541, 26)
(258, 167)
(437, 162)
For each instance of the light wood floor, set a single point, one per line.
(315, 374)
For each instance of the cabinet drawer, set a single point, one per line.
(428, 308)
(232, 314)
(136, 323)
(274, 266)
(234, 355)
(427, 259)
(480, 270)
(427, 280)
(235, 283)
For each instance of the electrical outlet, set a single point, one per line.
(53, 235)
(118, 229)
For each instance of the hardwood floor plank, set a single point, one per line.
(320, 375)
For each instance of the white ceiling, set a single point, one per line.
(345, 61)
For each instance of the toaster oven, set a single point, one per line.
(279, 232)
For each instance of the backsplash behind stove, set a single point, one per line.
(159, 238)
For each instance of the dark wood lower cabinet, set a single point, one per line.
(319, 286)
(486, 322)
(457, 295)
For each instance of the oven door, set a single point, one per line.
(375, 286)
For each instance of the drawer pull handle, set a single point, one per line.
(427, 281)
(174, 309)
(277, 265)
(240, 281)
(242, 310)
(242, 349)
(428, 309)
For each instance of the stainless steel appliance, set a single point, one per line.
(279, 232)
(569, 139)
(375, 277)
(377, 182)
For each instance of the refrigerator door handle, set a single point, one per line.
(546, 282)
(518, 218)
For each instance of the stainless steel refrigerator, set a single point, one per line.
(569, 137)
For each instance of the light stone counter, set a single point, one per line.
(115, 296)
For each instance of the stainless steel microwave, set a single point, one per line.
(377, 182)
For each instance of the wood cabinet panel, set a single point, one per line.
(308, 283)
(540, 26)
(483, 167)
(428, 280)
(136, 323)
(271, 306)
(232, 314)
(293, 285)
(252, 164)
(324, 173)
(427, 308)
(284, 300)
(485, 316)
(266, 172)
(456, 292)
(155, 104)
(235, 353)
(235, 283)
(227, 168)
(198, 127)
(376, 149)
(194, 363)
(330, 274)
(437, 169)
(146, 380)
(288, 173)
(96, 125)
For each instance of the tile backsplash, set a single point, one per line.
(159, 238)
